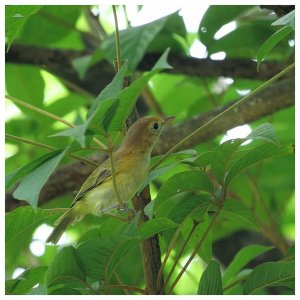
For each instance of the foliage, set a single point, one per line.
(200, 197)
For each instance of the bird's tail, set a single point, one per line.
(61, 225)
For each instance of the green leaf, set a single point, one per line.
(31, 185)
(65, 268)
(134, 42)
(109, 114)
(59, 21)
(111, 91)
(190, 181)
(224, 153)
(14, 176)
(237, 212)
(15, 18)
(270, 274)
(270, 43)
(25, 281)
(20, 225)
(192, 206)
(30, 83)
(211, 280)
(244, 41)
(126, 98)
(101, 255)
(205, 251)
(288, 20)
(65, 291)
(215, 17)
(155, 226)
(241, 259)
(254, 156)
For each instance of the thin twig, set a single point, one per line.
(180, 253)
(212, 222)
(48, 147)
(121, 283)
(229, 109)
(118, 47)
(51, 116)
(171, 245)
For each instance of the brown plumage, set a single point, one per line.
(131, 162)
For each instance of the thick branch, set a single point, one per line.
(279, 96)
(99, 75)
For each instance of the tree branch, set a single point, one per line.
(278, 96)
(101, 74)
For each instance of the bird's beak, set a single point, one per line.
(169, 119)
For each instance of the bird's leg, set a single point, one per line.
(130, 211)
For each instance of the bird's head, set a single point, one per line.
(144, 133)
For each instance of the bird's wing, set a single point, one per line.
(101, 174)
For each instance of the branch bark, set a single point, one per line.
(101, 74)
(279, 96)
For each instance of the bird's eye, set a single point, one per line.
(155, 126)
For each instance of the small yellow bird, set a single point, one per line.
(131, 162)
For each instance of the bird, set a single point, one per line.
(131, 165)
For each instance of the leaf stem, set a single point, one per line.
(48, 147)
(180, 253)
(51, 116)
(231, 285)
(113, 171)
(212, 222)
(118, 47)
(230, 108)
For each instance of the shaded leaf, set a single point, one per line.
(254, 156)
(25, 281)
(14, 176)
(190, 181)
(270, 274)
(65, 268)
(20, 225)
(211, 280)
(271, 42)
(241, 259)
(237, 212)
(15, 18)
(31, 185)
(214, 18)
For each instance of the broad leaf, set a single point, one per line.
(254, 156)
(205, 251)
(271, 42)
(281, 273)
(237, 212)
(134, 42)
(241, 259)
(20, 225)
(224, 153)
(65, 268)
(155, 226)
(190, 181)
(211, 280)
(101, 255)
(25, 281)
(15, 18)
(14, 176)
(214, 18)
(31, 185)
